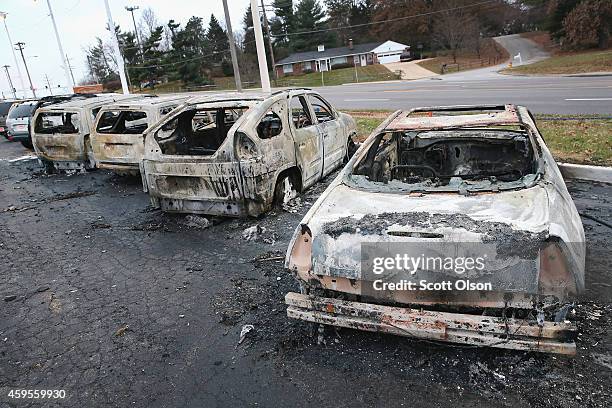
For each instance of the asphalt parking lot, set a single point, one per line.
(122, 306)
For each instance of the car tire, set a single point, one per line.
(90, 162)
(284, 190)
(27, 144)
(48, 166)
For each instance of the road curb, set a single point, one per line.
(585, 172)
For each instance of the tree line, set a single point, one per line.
(198, 50)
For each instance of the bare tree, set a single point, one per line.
(456, 28)
(148, 23)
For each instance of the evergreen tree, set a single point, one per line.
(310, 17)
(217, 36)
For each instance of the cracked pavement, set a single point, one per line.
(121, 305)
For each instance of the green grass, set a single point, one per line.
(582, 141)
(341, 76)
(579, 141)
(584, 62)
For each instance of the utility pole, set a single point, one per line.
(120, 65)
(267, 28)
(20, 46)
(48, 84)
(8, 76)
(23, 88)
(232, 44)
(69, 84)
(261, 51)
(131, 10)
(70, 69)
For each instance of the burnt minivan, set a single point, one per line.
(236, 154)
(61, 132)
(117, 138)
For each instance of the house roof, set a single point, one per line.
(329, 53)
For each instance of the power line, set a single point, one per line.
(384, 21)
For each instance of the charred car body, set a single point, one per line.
(61, 132)
(235, 154)
(117, 139)
(453, 177)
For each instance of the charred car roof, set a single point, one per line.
(451, 117)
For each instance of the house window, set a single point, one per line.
(308, 65)
(338, 61)
(288, 68)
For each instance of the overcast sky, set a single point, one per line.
(79, 23)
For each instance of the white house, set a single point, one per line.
(389, 51)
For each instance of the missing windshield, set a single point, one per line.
(449, 160)
(197, 132)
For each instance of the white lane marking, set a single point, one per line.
(588, 99)
(366, 100)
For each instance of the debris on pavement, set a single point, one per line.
(196, 221)
(121, 331)
(246, 329)
(253, 233)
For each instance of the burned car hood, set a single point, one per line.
(347, 218)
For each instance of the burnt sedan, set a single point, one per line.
(236, 154)
(450, 224)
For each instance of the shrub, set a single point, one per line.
(342, 65)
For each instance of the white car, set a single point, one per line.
(440, 183)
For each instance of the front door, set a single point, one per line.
(363, 60)
(308, 140)
(329, 127)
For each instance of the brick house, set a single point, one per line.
(340, 57)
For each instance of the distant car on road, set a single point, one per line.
(18, 122)
(5, 106)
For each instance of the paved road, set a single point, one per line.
(549, 94)
(123, 306)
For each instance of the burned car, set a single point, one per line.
(448, 181)
(61, 132)
(117, 137)
(235, 154)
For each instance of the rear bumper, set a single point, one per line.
(66, 165)
(477, 330)
(127, 168)
(18, 137)
(207, 207)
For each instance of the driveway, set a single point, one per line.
(410, 70)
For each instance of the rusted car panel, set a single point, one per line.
(117, 137)
(61, 132)
(526, 210)
(509, 333)
(228, 154)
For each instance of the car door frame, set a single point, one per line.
(274, 155)
(312, 174)
(333, 145)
